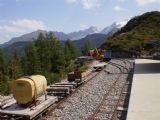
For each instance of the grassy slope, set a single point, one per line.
(138, 31)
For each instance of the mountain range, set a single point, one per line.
(93, 34)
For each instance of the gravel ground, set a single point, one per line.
(121, 115)
(124, 99)
(113, 96)
(83, 103)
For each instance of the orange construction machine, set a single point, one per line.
(99, 54)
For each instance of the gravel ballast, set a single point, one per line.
(82, 104)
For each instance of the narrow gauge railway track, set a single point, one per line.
(76, 108)
(89, 77)
(107, 108)
(98, 112)
(122, 106)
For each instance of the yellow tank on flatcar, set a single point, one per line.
(27, 89)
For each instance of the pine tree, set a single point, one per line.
(2, 65)
(32, 60)
(47, 56)
(24, 64)
(42, 45)
(15, 68)
(57, 56)
(87, 47)
(71, 51)
(4, 75)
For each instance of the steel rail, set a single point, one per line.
(92, 117)
(53, 107)
(119, 100)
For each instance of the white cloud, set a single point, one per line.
(9, 29)
(118, 8)
(87, 4)
(145, 2)
(22, 26)
(29, 24)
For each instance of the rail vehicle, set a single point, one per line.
(107, 55)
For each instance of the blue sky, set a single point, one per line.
(18, 17)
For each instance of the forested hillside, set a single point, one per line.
(45, 56)
(139, 34)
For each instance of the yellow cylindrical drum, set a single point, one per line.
(27, 89)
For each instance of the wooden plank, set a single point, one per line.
(69, 86)
(73, 84)
(59, 89)
(18, 110)
(8, 103)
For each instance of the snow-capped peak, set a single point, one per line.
(94, 29)
(114, 27)
(121, 23)
(83, 33)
